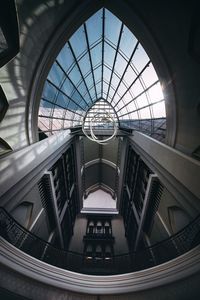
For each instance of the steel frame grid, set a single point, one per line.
(105, 95)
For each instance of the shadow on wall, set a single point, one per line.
(37, 20)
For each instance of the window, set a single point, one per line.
(103, 62)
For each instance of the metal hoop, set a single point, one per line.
(93, 137)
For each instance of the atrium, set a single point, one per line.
(99, 150)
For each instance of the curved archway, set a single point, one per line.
(80, 108)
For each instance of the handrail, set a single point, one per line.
(170, 248)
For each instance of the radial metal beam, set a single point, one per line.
(90, 58)
(130, 86)
(115, 58)
(151, 104)
(56, 118)
(67, 76)
(77, 64)
(66, 108)
(103, 41)
(128, 63)
(82, 108)
(144, 91)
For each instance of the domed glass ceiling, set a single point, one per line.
(103, 61)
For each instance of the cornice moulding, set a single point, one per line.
(171, 271)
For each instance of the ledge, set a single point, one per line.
(185, 169)
(174, 270)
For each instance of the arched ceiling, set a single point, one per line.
(102, 60)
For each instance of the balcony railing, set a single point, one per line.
(176, 245)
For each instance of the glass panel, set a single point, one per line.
(77, 97)
(56, 75)
(121, 104)
(78, 41)
(105, 89)
(57, 124)
(125, 121)
(106, 74)
(98, 73)
(87, 97)
(140, 58)
(67, 87)
(108, 97)
(65, 58)
(109, 54)
(128, 42)
(62, 100)
(159, 110)
(75, 123)
(123, 110)
(127, 98)
(132, 106)
(145, 113)
(84, 64)
(96, 54)
(155, 93)
(129, 76)
(45, 108)
(116, 98)
(137, 88)
(76, 117)
(98, 87)
(75, 75)
(83, 105)
(89, 80)
(112, 27)
(115, 80)
(92, 93)
(82, 88)
(142, 101)
(94, 22)
(133, 116)
(43, 123)
(49, 91)
(67, 124)
(44, 104)
(58, 112)
(120, 64)
(149, 75)
(68, 114)
(111, 92)
(73, 106)
(121, 90)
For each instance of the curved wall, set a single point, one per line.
(168, 279)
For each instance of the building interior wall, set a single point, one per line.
(171, 47)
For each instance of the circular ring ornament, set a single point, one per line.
(100, 118)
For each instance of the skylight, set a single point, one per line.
(104, 61)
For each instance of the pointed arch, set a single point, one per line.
(138, 102)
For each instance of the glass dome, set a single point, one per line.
(103, 61)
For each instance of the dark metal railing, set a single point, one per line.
(178, 244)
